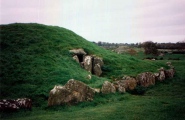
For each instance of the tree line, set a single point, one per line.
(178, 45)
(149, 46)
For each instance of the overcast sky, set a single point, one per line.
(118, 21)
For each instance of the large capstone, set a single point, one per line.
(78, 52)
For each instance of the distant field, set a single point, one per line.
(171, 50)
(166, 54)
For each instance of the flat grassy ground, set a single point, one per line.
(164, 101)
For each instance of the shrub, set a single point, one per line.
(150, 48)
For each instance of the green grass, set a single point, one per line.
(164, 101)
(36, 57)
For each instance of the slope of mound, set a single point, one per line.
(35, 57)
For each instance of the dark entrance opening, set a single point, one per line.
(80, 57)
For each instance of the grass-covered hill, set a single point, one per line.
(35, 57)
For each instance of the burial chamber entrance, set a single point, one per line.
(80, 57)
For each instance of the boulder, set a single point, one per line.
(88, 63)
(145, 79)
(15, 104)
(161, 76)
(72, 92)
(25, 103)
(89, 77)
(126, 77)
(9, 105)
(169, 73)
(108, 87)
(76, 58)
(128, 84)
(96, 90)
(156, 76)
(121, 89)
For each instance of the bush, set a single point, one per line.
(150, 48)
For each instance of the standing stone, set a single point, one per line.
(88, 63)
(161, 74)
(108, 87)
(97, 64)
(97, 70)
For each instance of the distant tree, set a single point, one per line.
(150, 48)
(99, 43)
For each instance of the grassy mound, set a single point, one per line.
(36, 57)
